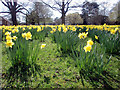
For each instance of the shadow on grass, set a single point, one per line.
(106, 80)
(19, 75)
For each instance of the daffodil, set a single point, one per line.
(80, 35)
(59, 29)
(23, 35)
(17, 30)
(8, 38)
(113, 31)
(74, 29)
(51, 31)
(87, 29)
(96, 37)
(116, 29)
(14, 38)
(43, 45)
(85, 34)
(28, 36)
(39, 29)
(23, 29)
(9, 43)
(8, 33)
(13, 31)
(64, 29)
(3, 30)
(88, 48)
(89, 42)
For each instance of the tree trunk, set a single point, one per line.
(14, 18)
(63, 12)
(63, 18)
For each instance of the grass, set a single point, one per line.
(0, 62)
(59, 71)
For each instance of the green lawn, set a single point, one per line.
(59, 71)
(0, 62)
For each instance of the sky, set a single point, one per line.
(56, 13)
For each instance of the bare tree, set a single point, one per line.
(40, 13)
(13, 8)
(62, 6)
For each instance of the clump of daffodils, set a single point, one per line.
(88, 47)
(27, 35)
(39, 29)
(9, 42)
(112, 31)
(8, 33)
(82, 35)
(64, 28)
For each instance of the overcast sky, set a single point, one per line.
(57, 14)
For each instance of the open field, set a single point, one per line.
(61, 56)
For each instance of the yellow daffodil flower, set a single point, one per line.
(23, 35)
(88, 48)
(9, 43)
(89, 42)
(51, 31)
(17, 30)
(43, 45)
(28, 36)
(113, 31)
(96, 37)
(14, 38)
(8, 33)
(8, 38)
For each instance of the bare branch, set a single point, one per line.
(21, 9)
(4, 3)
(54, 8)
(76, 6)
(15, 4)
(22, 12)
(18, 6)
(67, 3)
(4, 12)
(58, 3)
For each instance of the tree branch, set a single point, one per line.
(4, 3)
(4, 12)
(15, 4)
(8, 5)
(18, 6)
(67, 3)
(58, 3)
(22, 12)
(54, 8)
